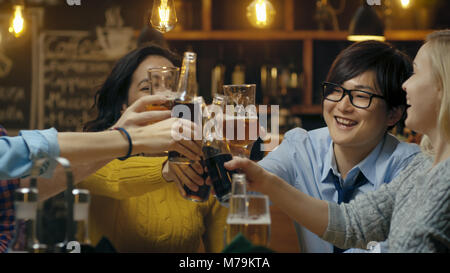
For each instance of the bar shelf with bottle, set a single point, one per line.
(226, 23)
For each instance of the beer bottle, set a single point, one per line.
(186, 92)
(208, 117)
(239, 186)
(216, 152)
(25, 238)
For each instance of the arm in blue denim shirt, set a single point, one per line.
(18, 153)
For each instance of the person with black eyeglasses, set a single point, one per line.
(354, 154)
(411, 214)
(358, 98)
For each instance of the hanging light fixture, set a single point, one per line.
(260, 13)
(405, 3)
(17, 24)
(164, 17)
(366, 25)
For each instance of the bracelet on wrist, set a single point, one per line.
(130, 143)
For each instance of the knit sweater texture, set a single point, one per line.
(138, 211)
(412, 212)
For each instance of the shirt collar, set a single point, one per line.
(366, 166)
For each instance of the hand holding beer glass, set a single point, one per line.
(240, 125)
(249, 215)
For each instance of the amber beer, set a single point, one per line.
(256, 231)
(168, 105)
(241, 140)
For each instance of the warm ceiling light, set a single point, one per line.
(163, 16)
(405, 3)
(366, 25)
(261, 13)
(17, 22)
(360, 38)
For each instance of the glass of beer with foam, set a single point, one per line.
(240, 123)
(249, 215)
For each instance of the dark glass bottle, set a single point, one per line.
(187, 91)
(216, 152)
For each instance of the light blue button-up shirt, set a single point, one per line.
(306, 160)
(18, 153)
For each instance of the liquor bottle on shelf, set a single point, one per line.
(25, 238)
(186, 92)
(216, 152)
(218, 75)
(295, 83)
(265, 76)
(269, 79)
(238, 74)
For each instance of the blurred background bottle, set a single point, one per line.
(82, 200)
(26, 207)
(238, 74)
(218, 74)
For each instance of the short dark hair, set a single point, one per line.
(114, 91)
(391, 68)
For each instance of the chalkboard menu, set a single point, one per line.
(15, 78)
(72, 66)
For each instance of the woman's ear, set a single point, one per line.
(395, 114)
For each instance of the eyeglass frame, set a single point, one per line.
(348, 92)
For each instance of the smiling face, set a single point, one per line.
(352, 127)
(422, 95)
(139, 82)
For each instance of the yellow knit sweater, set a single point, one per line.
(138, 211)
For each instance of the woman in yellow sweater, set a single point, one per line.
(134, 204)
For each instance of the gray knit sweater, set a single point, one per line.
(412, 212)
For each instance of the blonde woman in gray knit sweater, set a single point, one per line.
(413, 211)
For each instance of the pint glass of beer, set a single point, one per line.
(240, 123)
(250, 216)
(163, 81)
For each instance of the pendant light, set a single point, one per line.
(366, 25)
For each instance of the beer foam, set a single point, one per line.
(265, 220)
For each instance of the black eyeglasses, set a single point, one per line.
(358, 98)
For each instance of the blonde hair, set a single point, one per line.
(438, 48)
